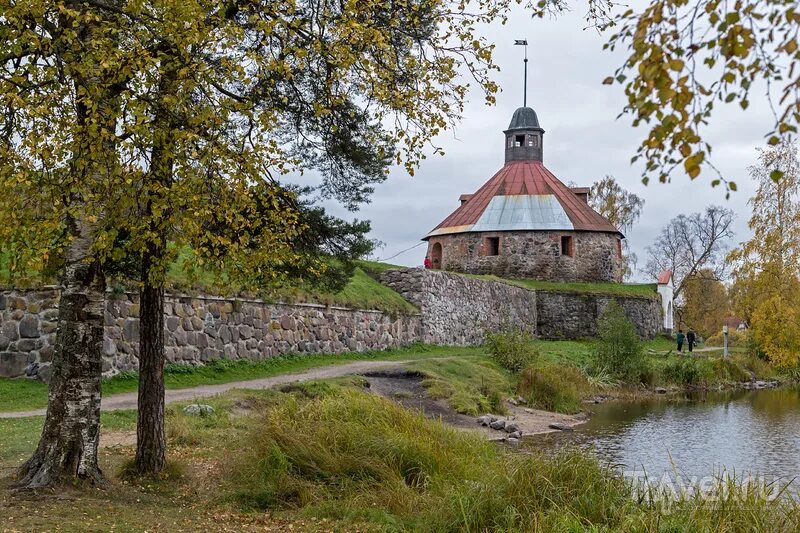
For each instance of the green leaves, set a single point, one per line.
(684, 60)
(767, 267)
(692, 164)
(177, 119)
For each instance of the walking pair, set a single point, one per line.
(689, 338)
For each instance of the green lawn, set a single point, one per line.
(23, 394)
(471, 385)
(361, 292)
(580, 353)
(18, 436)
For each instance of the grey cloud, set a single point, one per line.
(583, 142)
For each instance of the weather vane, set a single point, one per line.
(524, 42)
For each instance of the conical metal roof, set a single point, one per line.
(524, 196)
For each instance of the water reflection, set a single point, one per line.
(742, 432)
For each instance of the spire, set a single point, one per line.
(524, 42)
(524, 135)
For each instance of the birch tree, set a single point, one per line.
(767, 267)
(60, 109)
(210, 103)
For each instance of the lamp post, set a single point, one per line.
(725, 340)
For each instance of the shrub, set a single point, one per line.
(619, 349)
(600, 378)
(512, 348)
(554, 387)
(689, 371)
(756, 366)
(729, 369)
(736, 339)
(648, 373)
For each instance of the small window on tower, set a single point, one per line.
(492, 245)
(530, 140)
(519, 140)
(567, 247)
(510, 143)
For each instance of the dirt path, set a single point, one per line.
(117, 402)
(386, 378)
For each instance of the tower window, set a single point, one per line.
(492, 245)
(567, 246)
(519, 140)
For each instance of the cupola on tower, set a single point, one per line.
(525, 223)
(524, 136)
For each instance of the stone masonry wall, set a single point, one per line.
(574, 316)
(197, 330)
(533, 255)
(455, 310)
(458, 310)
(28, 324)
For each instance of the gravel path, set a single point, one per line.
(127, 400)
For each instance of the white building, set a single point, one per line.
(666, 288)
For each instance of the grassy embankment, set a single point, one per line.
(327, 455)
(564, 373)
(363, 291)
(23, 394)
(324, 456)
(472, 384)
(641, 290)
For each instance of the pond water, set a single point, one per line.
(737, 433)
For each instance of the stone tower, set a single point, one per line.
(525, 223)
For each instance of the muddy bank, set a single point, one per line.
(405, 387)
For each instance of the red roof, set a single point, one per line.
(529, 178)
(664, 277)
(733, 322)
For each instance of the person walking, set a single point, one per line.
(680, 337)
(690, 338)
(427, 262)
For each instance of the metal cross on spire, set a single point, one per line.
(524, 42)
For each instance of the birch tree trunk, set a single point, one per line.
(67, 449)
(68, 446)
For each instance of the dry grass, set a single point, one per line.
(330, 457)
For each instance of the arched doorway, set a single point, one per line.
(436, 256)
(669, 324)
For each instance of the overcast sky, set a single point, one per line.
(583, 141)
